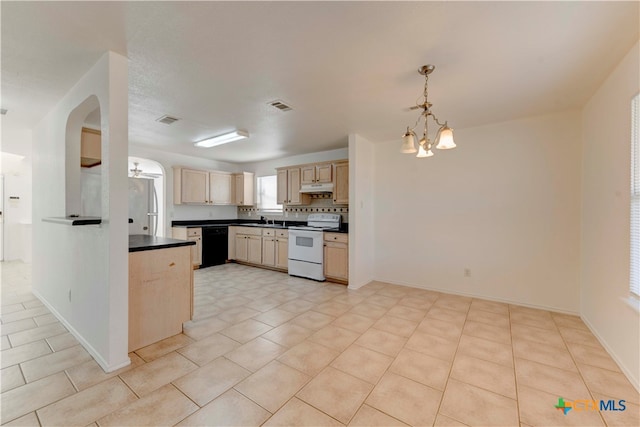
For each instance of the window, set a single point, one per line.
(267, 194)
(635, 196)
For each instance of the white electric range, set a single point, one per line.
(306, 248)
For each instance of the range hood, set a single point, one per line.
(317, 188)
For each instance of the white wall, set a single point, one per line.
(361, 212)
(505, 205)
(186, 212)
(81, 272)
(606, 124)
(17, 183)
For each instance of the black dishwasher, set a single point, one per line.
(215, 245)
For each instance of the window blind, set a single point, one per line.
(635, 196)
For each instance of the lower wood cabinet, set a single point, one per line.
(160, 294)
(282, 251)
(248, 244)
(193, 234)
(336, 256)
(268, 247)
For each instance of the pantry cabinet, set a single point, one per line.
(336, 257)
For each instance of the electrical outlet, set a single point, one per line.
(249, 213)
(467, 272)
(210, 214)
(69, 295)
(286, 214)
(296, 214)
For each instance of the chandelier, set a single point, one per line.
(444, 138)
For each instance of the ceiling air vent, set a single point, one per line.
(167, 120)
(280, 105)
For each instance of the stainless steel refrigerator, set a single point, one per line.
(143, 203)
(143, 207)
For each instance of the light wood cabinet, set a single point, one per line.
(269, 251)
(275, 248)
(220, 188)
(160, 294)
(254, 249)
(289, 188)
(341, 183)
(90, 148)
(290, 180)
(201, 187)
(282, 249)
(282, 194)
(243, 188)
(242, 253)
(260, 246)
(192, 234)
(336, 256)
(316, 174)
(248, 244)
(190, 186)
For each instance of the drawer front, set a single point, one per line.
(268, 232)
(192, 232)
(251, 231)
(336, 237)
(282, 233)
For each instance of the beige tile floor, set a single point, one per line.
(268, 349)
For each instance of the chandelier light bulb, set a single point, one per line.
(408, 143)
(445, 138)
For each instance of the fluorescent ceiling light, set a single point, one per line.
(222, 139)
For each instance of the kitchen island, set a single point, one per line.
(160, 288)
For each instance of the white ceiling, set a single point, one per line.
(345, 67)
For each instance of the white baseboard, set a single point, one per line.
(92, 351)
(485, 297)
(635, 382)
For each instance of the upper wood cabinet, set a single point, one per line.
(220, 188)
(90, 148)
(243, 188)
(290, 179)
(201, 187)
(192, 187)
(316, 174)
(288, 191)
(341, 183)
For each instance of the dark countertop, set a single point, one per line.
(144, 242)
(344, 227)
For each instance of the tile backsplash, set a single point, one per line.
(320, 203)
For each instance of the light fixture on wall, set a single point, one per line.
(444, 138)
(236, 135)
